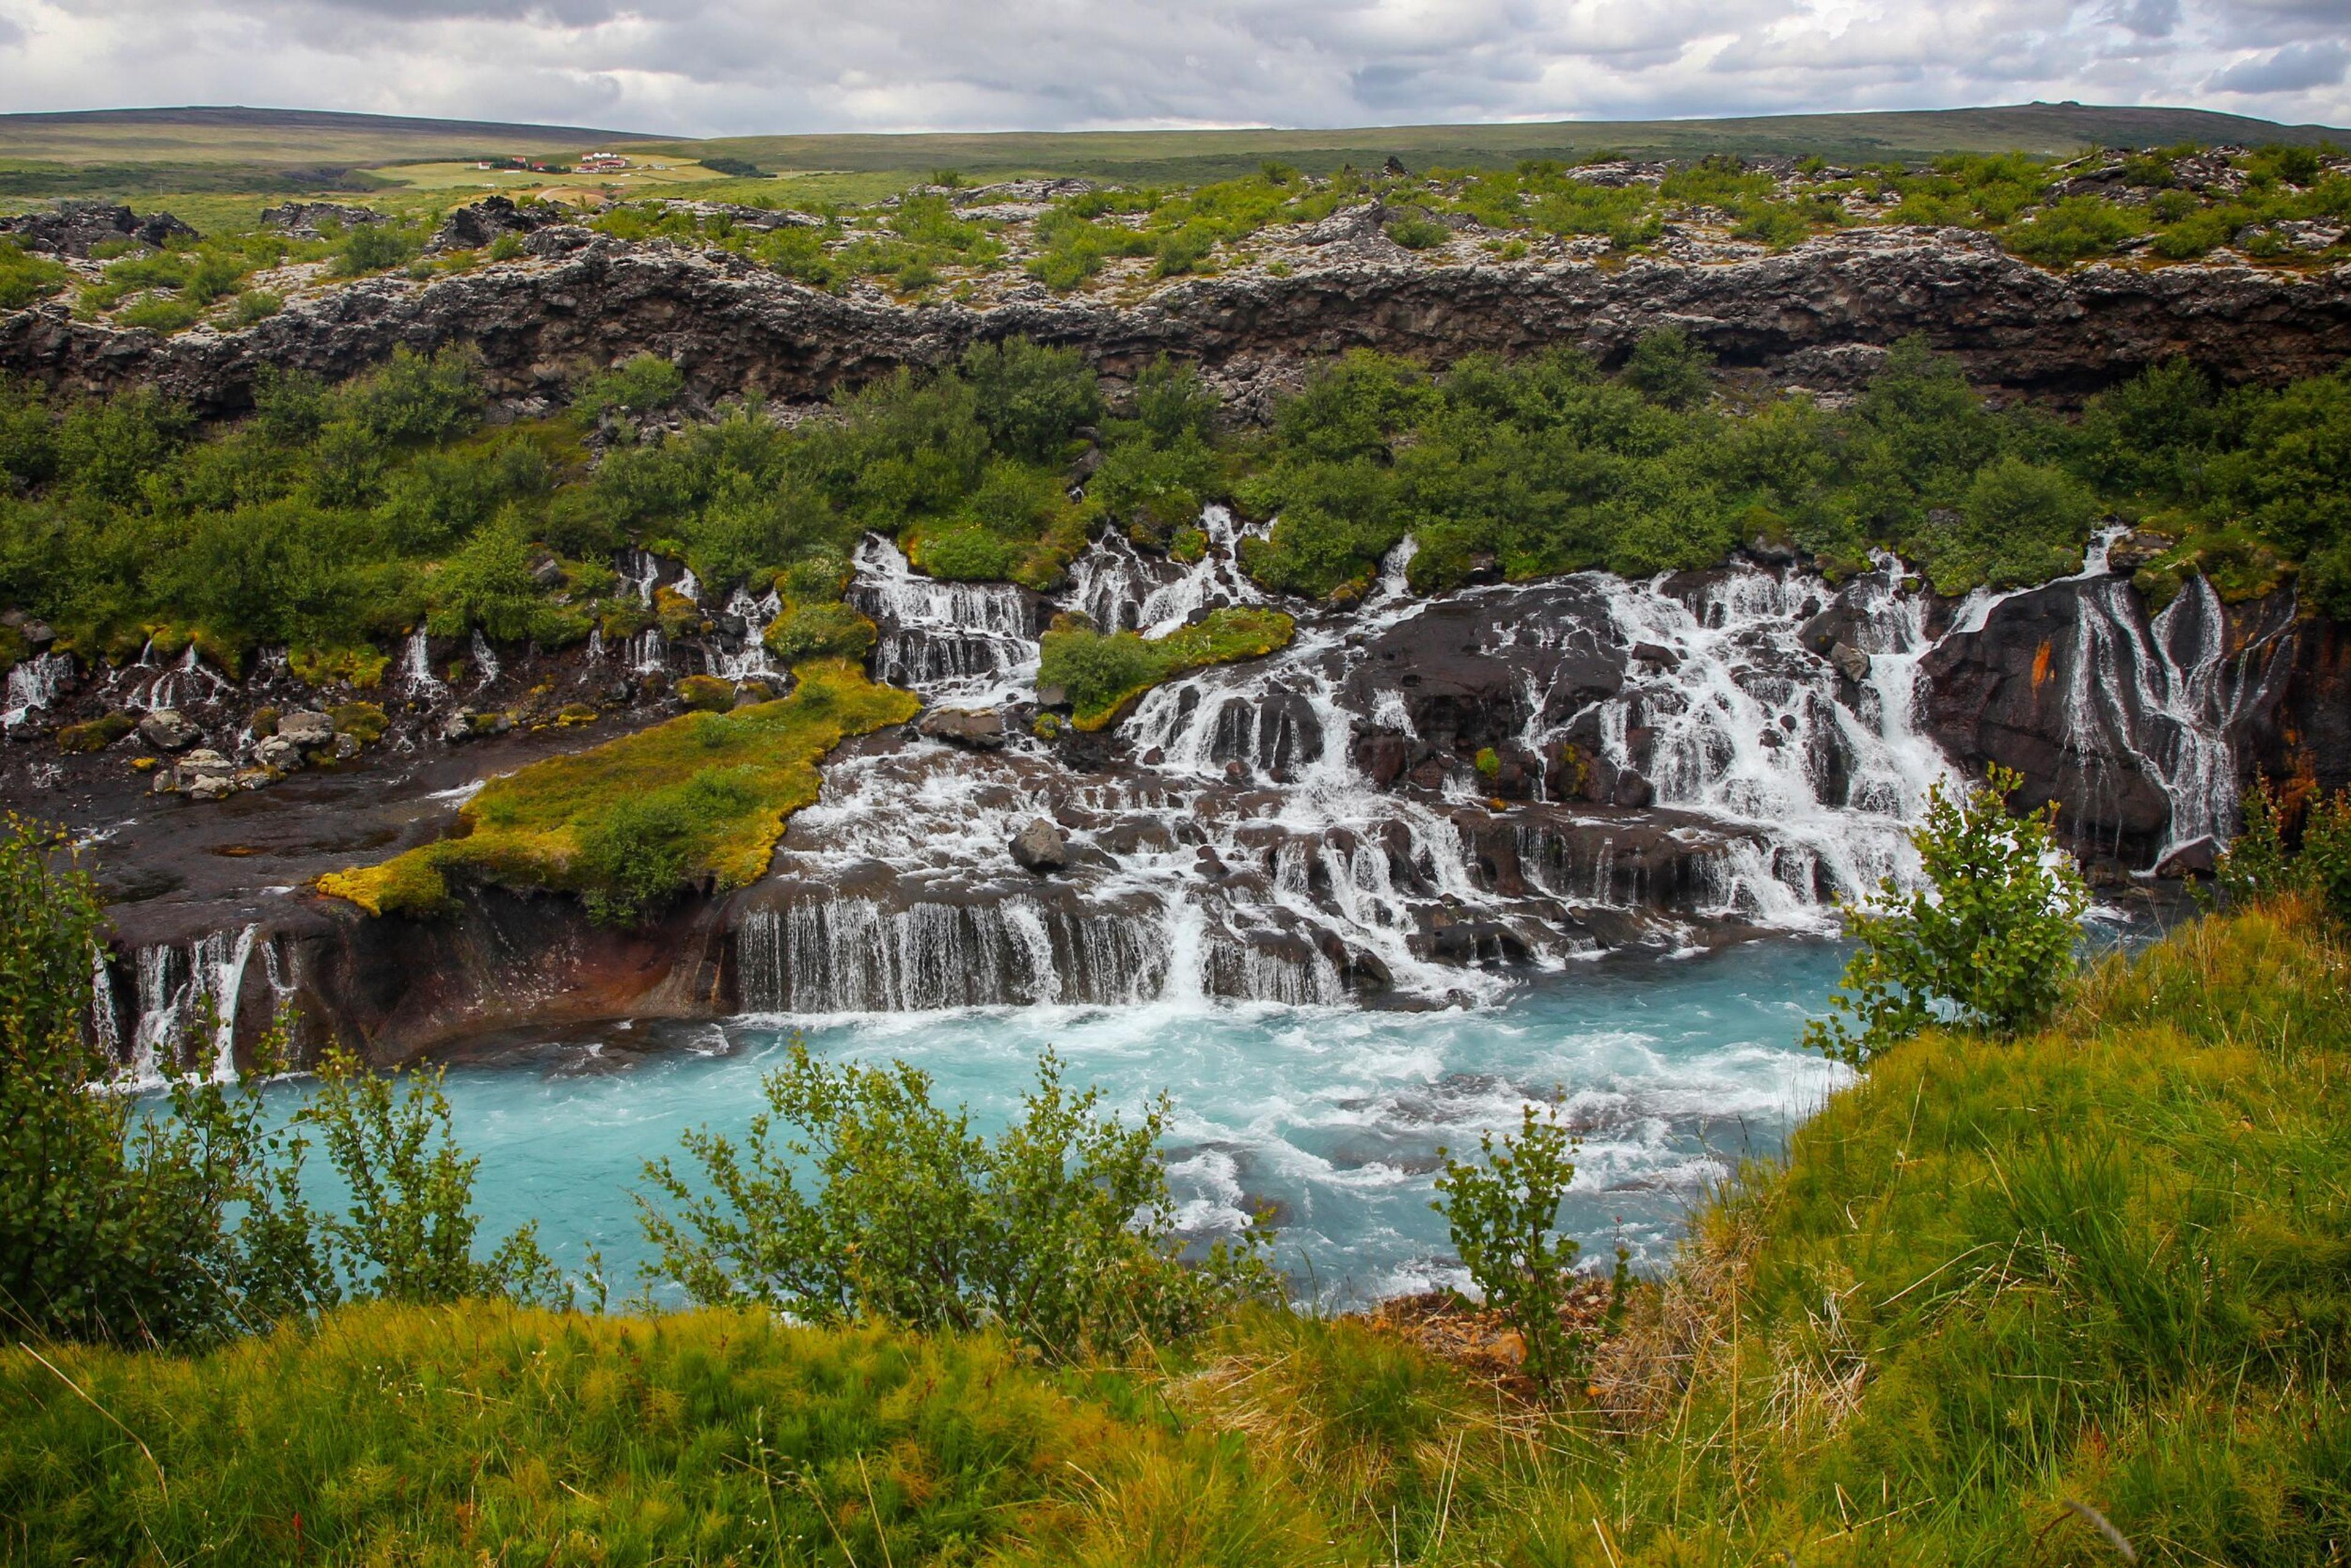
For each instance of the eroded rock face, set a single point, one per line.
(1821, 313)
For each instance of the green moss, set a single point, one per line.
(704, 797)
(363, 722)
(95, 734)
(1103, 676)
(707, 694)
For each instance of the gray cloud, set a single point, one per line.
(2289, 69)
(718, 67)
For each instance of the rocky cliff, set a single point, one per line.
(1818, 315)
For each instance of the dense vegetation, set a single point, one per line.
(332, 521)
(1100, 674)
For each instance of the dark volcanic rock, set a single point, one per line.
(1041, 848)
(734, 325)
(974, 729)
(72, 228)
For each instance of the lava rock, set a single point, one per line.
(1041, 848)
(306, 728)
(278, 754)
(974, 729)
(210, 786)
(2198, 858)
(71, 228)
(458, 727)
(1850, 662)
(167, 729)
(204, 763)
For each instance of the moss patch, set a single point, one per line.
(95, 736)
(702, 797)
(1103, 675)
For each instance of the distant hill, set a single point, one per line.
(145, 154)
(1908, 135)
(261, 137)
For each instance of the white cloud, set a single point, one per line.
(718, 67)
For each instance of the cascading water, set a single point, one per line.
(176, 990)
(417, 680)
(486, 661)
(968, 644)
(36, 683)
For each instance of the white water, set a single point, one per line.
(417, 680)
(486, 662)
(36, 683)
(959, 643)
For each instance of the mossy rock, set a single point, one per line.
(707, 694)
(97, 734)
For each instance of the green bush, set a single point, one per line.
(157, 314)
(25, 279)
(1059, 1230)
(407, 1234)
(636, 855)
(1987, 941)
(253, 306)
(1417, 231)
(644, 384)
(375, 247)
(818, 630)
(1503, 1215)
(1668, 368)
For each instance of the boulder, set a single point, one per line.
(204, 764)
(71, 228)
(166, 729)
(211, 787)
(1041, 848)
(306, 728)
(2199, 857)
(1850, 662)
(458, 727)
(278, 754)
(974, 729)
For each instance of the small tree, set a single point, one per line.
(408, 1234)
(2257, 864)
(1059, 1230)
(1503, 1212)
(1987, 943)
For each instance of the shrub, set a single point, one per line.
(2325, 858)
(1059, 1230)
(2073, 230)
(1668, 368)
(819, 630)
(408, 1233)
(24, 278)
(119, 1222)
(157, 313)
(2021, 523)
(373, 247)
(1986, 942)
(1417, 231)
(253, 306)
(638, 853)
(640, 385)
(2257, 864)
(1033, 399)
(1502, 1212)
(507, 247)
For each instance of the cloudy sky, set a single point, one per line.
(736, 67)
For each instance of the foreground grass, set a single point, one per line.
(2110, 1265)
(724, 783)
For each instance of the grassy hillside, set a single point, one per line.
(205, 155)
(2108, 1267)
(1189, 155)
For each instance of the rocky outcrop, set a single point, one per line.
(71, 228)
(1820, 313)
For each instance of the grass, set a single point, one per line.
(724, 784)
(1105, 674)
(1996, 1288)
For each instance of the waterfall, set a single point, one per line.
(185, 683)
(647, 653)
(417, 680)
(176, 986)
(752, 658)
(2153, 697)
(640, 573)
(36, 683)
(968, 643)
(486, 661)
